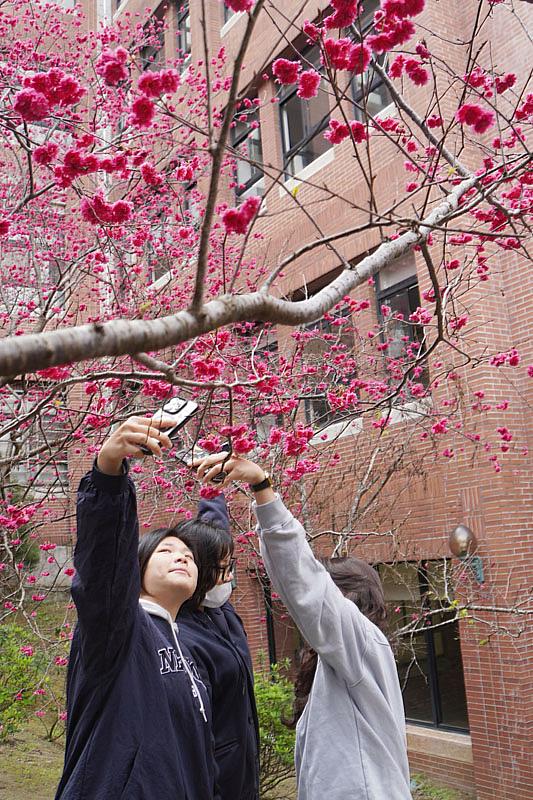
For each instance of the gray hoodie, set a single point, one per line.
(350, 739)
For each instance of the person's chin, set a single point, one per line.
(180, 579)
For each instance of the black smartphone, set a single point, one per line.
(192, 454)
(177, 409)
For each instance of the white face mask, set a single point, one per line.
(218, 595)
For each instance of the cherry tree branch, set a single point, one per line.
(31, 352)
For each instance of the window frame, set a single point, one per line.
(382, 295)
(28, 472)
(184, 33)
(288, 92)
(152, 57)
(236, 142)
(359, 88)
(329, 417)
(227, 13)
(428, 636)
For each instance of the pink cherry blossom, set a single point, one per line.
(31, 105)
(111, 66)
(403, 8)
(142, 112)
(337, 131)
(45, 154)
(345, 14)
(397, 66)
(311, 31)
(416, 72)
(476, 117)
(240, 5)
(237, 220)
(359, 131)
(286, 71)
(308, 83)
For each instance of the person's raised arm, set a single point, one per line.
(331, 624)
(106, 586)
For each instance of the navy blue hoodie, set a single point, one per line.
(217, 640)
(139, 724)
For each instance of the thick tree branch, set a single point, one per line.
(22, 354)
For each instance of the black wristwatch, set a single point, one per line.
(266, 483)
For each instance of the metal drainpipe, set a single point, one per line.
(271, 638)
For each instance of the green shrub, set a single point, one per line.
(21, 671)
(274, 696)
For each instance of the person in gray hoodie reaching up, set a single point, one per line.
(350, 737)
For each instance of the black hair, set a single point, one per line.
(208, 543)
(358, 582)
(211, 545)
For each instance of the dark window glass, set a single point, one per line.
(304, 121)
(334, 329)
(246, 138)
(401, 299)
(369, 93)
(429, 661)
(158, 260)
(259, 342)
(45, 433)
(153, 53)
(183, 30)
(228, 13)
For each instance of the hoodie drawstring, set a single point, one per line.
(158, 611)
(194, 686)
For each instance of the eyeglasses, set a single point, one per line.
(227, 569)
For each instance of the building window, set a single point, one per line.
(158, 248)
(260, 344)
(304, 121)
(191, 204)
(183, 31)
(228, 13)
(327, 347)
(369, 93)
(334, 329)
(246, 139)
(152, 53)
(398, 297)
(429, 662)
(40, 459)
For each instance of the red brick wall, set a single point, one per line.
(497, 507)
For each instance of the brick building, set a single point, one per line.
(469, 706)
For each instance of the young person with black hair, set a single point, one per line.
(139, 718)
(215, 635)
(350, 735)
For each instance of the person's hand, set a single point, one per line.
(127, 440)
(235, 467)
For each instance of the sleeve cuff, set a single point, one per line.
(112, 484)
(272, 515)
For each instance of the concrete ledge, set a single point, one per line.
(441, 744)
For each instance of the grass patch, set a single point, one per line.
(31, 766)
(425, 789)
